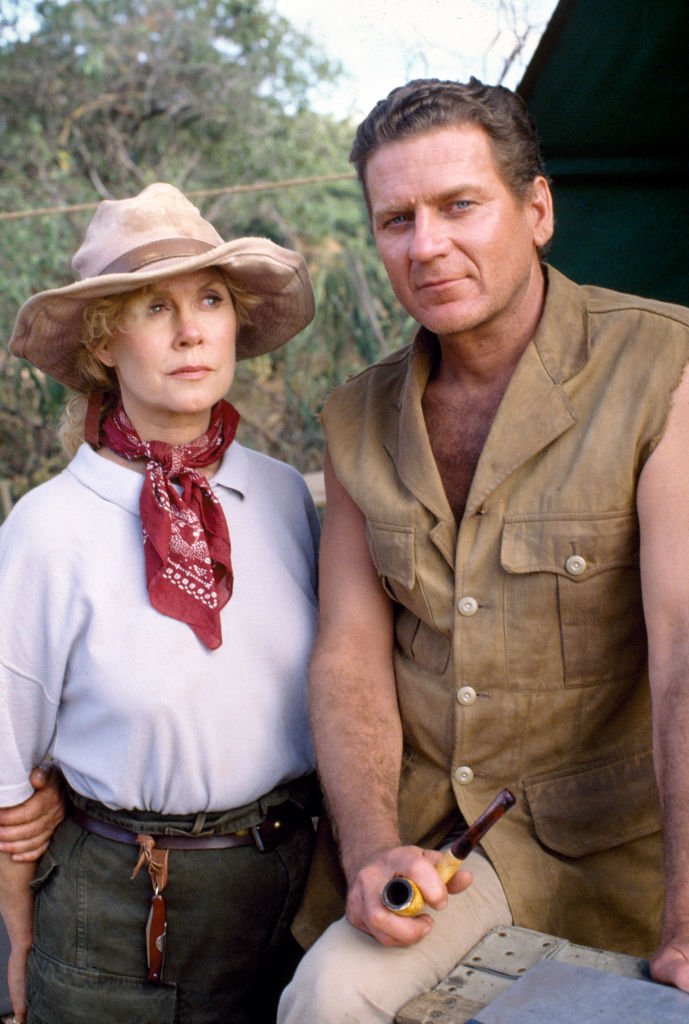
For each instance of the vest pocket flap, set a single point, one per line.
(596, 808)
(576, 547)
(392, 550)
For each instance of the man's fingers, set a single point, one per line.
(25, 850)
(671, 966)
(40, 838)
(35, 853)
(389, 929)
(460, 881)
(40, 777)
(18, 831)
(26, 828)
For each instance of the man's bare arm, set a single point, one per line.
(663, 505)
(357, 727)
(26, 830)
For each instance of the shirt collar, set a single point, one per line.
(233, 471)
(122, 486)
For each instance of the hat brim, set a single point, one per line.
(49, 326)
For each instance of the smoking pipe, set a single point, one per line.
(402, 896)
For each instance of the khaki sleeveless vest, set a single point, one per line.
(520, 651)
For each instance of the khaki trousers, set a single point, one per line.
(349, 978)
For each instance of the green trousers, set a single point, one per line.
(228, 944)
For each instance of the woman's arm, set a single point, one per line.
(16, 909)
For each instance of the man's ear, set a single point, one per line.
(541, 207)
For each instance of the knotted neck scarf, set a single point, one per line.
(186, 540)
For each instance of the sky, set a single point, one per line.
(385, 43)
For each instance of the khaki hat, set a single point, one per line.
(157, 234)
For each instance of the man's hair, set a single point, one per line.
(428, 104)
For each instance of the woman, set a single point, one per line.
(158, 612)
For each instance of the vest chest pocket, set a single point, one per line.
(393, 552)
(572, 599)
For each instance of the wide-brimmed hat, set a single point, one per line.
(157, 234)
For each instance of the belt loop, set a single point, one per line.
(255, 831)
(199, 823)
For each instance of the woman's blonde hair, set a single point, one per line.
(102, 318)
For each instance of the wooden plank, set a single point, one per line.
(502, 956)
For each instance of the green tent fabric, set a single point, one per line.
(608, 87)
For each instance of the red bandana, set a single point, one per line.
(186, 540)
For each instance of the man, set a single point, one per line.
(499, 494)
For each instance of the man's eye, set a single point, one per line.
(399, 218)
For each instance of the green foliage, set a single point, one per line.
(358, 320)
(105, 96)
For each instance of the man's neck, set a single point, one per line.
(467, 385)
(486, 355)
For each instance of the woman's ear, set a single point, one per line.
(103, 355)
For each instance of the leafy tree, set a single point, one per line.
(118, 89)
(106, 96)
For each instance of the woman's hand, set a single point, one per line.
(27, 828)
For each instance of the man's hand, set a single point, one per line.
(26, 829)
(670, 964)
(365, 908)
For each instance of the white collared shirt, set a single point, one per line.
(137, 712)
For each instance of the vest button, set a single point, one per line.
(575, 565)
(463, 775)
(467, 606)
(466, 695)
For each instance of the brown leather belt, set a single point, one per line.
(265, 837)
